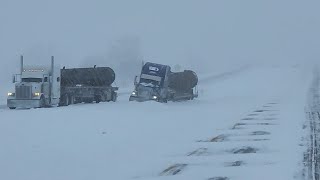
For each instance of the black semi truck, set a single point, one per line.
(157, 82)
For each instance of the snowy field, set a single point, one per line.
(245, 125)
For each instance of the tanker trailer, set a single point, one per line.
(182, 85)
(87, 85)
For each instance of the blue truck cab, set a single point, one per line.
(152, 84)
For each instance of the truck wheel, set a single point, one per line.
(42, 102)
(70, 100)
(97, 99)
(77, 100)
(65, 101)
(88, 100)
(163, 100)
(114, 96)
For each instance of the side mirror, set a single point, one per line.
(135, 80)
(13, 79)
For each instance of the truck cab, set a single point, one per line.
(152, 84)
(157, 82)
(35, 87)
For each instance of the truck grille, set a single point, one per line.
(23, 92)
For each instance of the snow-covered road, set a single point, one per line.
(247, 126)
(312, 139)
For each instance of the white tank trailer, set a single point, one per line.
(38, 86)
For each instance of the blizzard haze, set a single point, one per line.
(202, 35)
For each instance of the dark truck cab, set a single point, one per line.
(152, 83)
(156, 82)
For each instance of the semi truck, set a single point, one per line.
(37, 86)
(158, 83)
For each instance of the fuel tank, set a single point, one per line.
(99, 76)
(183, 81)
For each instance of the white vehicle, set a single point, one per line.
(45, 87)
(35, 87)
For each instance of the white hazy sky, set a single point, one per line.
(199, 34)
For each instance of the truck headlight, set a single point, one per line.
(154, 97)
(133, 93)
(36, 94)
(10, 94)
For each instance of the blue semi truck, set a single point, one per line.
(158, 83)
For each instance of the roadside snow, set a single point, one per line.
(130, 140)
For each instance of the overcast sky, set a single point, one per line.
(199, 34)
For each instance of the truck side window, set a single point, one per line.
(58, 79)
(46, 79)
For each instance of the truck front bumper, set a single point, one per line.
(23, 103)
(142, 99)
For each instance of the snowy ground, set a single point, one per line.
(246, 126)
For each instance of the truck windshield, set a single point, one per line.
(149, 82)
(32, 80)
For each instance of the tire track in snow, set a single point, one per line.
(248, 136)
(312, 157)
(173, 170)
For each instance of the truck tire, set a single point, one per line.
(42, 102)
(130, 98)
(192, 95)
(71, 100)
(64, 101)
(97, 99)
(164, 100)
(114, 96)
(88, 100)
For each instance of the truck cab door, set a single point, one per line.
(55, 88)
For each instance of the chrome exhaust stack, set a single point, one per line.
(21, 64)
(52, 65)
